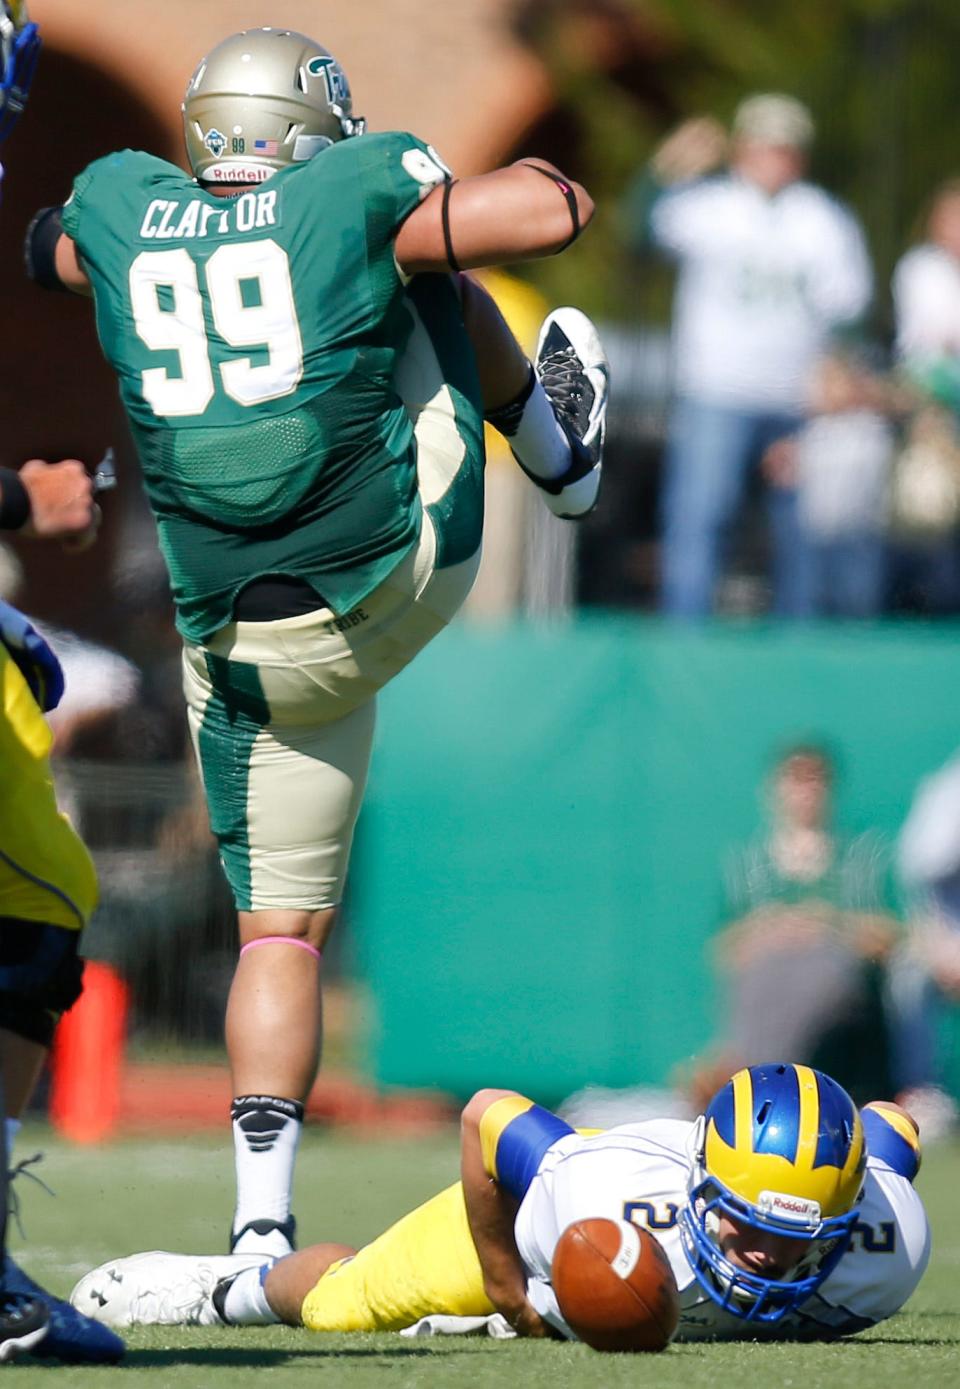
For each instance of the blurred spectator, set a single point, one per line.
(926, 297)
(925, 970)
(799, 963)
(926, 489)
(770, 266)
(843, 458)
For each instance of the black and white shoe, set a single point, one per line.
(573, 370)
(24, 1321)
(268, 1237)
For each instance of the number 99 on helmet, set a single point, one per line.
(780, 1151)
(261, 100)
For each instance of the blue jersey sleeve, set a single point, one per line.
(515, 1134)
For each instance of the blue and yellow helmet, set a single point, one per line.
(780, 1148)
(19, 50)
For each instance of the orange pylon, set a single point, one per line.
(87, 1057)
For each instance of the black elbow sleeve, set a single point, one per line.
(40, 248)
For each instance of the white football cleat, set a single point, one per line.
(573, 370)
(159, 1289)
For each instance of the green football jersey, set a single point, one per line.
(255, 340)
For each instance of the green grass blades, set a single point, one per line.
(148, 1194)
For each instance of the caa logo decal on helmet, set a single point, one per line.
(215, 142)
(19, 51)
(281, 96)
(780, 1149)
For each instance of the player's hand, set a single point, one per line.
(696, 147)
(873, 937)
(526, 1321)
(61, 502)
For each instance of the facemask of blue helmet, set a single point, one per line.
(748, 1295)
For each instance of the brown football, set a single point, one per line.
(615, 1286)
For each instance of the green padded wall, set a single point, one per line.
(548, 811)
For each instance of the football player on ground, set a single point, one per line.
(308, 409)
(47, 882)
(784, 1212)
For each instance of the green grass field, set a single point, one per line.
(137, 1195)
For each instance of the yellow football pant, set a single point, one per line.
(46, 874)
(425, 1263)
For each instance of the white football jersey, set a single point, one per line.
(763, 283)
(639, 1172)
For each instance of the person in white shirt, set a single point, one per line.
(770, 266)
(925, 558)
(926, 287)
(785, 1213)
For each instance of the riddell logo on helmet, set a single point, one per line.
(237, 173)
(794, 1208)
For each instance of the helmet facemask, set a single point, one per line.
(780, 1150)
(747, 1294)
(262, 100)
(19, 51)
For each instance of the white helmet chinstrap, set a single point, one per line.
(261, 100)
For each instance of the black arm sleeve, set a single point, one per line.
(40, 247)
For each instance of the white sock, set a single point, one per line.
(533, 432)
(266, 1133)
(539, 442)
(246, 1302)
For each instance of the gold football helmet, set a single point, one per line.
(261, 100)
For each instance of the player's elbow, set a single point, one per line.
(568, 216)
(40, 248)
(478, 1104)
(585, 204)
(569, 223)
(51, 257)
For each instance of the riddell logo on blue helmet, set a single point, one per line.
(777, 1205)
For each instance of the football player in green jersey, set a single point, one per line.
(299, 369)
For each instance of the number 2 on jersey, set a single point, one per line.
(251, 299)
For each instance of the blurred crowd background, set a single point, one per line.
(765, 597)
